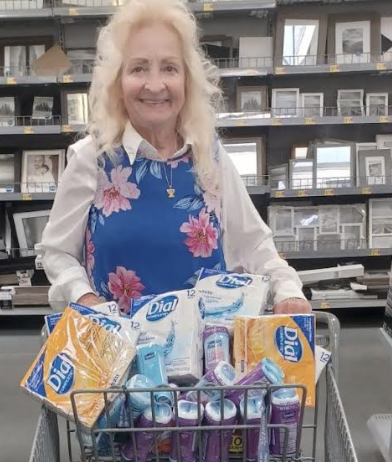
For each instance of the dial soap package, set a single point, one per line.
(80, 354)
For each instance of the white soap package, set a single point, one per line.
(173, 321)
(224, 295)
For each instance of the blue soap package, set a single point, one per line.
(151, 363)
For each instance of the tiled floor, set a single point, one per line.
(365, 382)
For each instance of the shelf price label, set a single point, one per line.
(279, 194)
(27, 197)
(277, 122)
(28, 131)
(348, 120)
(283, 255)
(66, 128)
(73, 12)
(309, 121)
(208, 7)
(384, 120)
(11, 81)
(381, 67)
(302, 193)
(280, 70)
(329, 192)
(325, 305)
(67, 79)
(366, 190)
(251, 72)
(334, 68)
(375, 253)
(240, 123)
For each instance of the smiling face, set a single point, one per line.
(153, 78)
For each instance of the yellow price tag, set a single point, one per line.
(384, 120)
(28, 131)
(302, 193)
(276, 122)
(381, 67)
(329, 192)
(27, 197)
(11, 81)
(375, 253)
(280, 70)
(66, 128)
(283, 255)
(366, 190)
(73, 12)
(250, 72)
(279, 194)
(240, 123)
(67, 79)
(208, 7)
(334, 68)
(325, 305)
(347, 120)
(309, 121)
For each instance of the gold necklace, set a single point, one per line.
(171, 192)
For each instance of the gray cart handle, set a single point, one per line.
(331, 340)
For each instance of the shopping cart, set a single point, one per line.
(338, 444)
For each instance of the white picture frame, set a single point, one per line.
(7, 111)
(29, 227)
(15, 57)
(377, 104)
(285, 102)
(386, 38)
(255, 52)
(7, 173)
(352, 237)
(380, 223)
(247, 155)
(384, 142)
(365, 147)
(306, 239)
(312, 104)
(375, 170)
(352, 42)
(42, 107)
(350, 102)
(77, 108)
(284, 221)
(42, 170)
(300, 42)
(329, 219)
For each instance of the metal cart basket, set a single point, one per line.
(338, 444)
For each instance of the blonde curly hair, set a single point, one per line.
(197, 118)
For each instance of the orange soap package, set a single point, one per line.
(288, 340)
(80, 354)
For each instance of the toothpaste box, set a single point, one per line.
(174, 322)
(80, 354)
(288, 340)
(226, 295)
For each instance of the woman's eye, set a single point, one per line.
(137, 70)
(171, 69)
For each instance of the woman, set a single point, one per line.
(150, 196)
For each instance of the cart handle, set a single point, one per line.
(333, 325)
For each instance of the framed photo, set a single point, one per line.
(285, 102)
(301, 173)
(352, 42)
(329, 242)
(374, 167)
(300, 42)
(42, 107)
(306, 239)
(312, 104)
(284, 221)
(256, 52)
(42, 170)
(352, 237)
(15, 60)
(350, 103)
(82, 60)
(279, 176)
(306, 217)
(377, 104)
(7, 173)
(365, 147)
(386, 38)
(329, 219)
(334, 165)
(7, 111)
(29, 227)
(34, 52)
(252, 99)
(380, 223)
(75, 107)
(353, 214)
(218, 47)
(384, 141)
(248, 156)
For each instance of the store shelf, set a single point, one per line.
(33, 13)
(372, 190)
(26, 196)
(28, 311)
(28, 80)
(243, 72)
(356, 253)
(342, 304)
(332, 68)
(31, 130)
(380, 426)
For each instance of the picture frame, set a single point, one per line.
(352, 42)
(7, 173)
(365, 147)
(334, 165)
(252, 99)
(253, 149)
(312, 104)
(283, 221)
(29, 227)
(380, 223)
(350, 103)
(300, 42)
(306, 217)
(42, 170)
(301, 173)
(285, 102)
(374, 167)
(306, 238)
(353, 214)
(279, 176)
(42, 107)
(217, 47)
(299, 151)
(75, 107)
(256, 52)
(329, 219)
(386, 38)
(15, 60)
(82, 60)
(329, 243)
(7, 111)
(384, 142)
(377, 104)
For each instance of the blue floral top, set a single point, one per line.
(139, 241)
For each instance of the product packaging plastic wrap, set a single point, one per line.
(80, 354)
(288, 340)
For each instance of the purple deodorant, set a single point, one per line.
(285, 410)
(265, 373)
(215, 447)
(145, 440)
(216, 341)
(188, 416)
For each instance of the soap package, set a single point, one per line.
(224, 295)
(174, 322)
(80, 354)
(288, 340)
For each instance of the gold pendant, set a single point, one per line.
(171, 192)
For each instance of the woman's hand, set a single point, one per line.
(293, 306)
(89, 300)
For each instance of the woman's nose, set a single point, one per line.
(154, 82)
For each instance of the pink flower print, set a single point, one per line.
(175, 162)
(90, 249)
(211, 195)
(202, 236)
(125, 285)
(113, 196)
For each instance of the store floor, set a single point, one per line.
(365, 378)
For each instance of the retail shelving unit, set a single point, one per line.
(72, 25)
